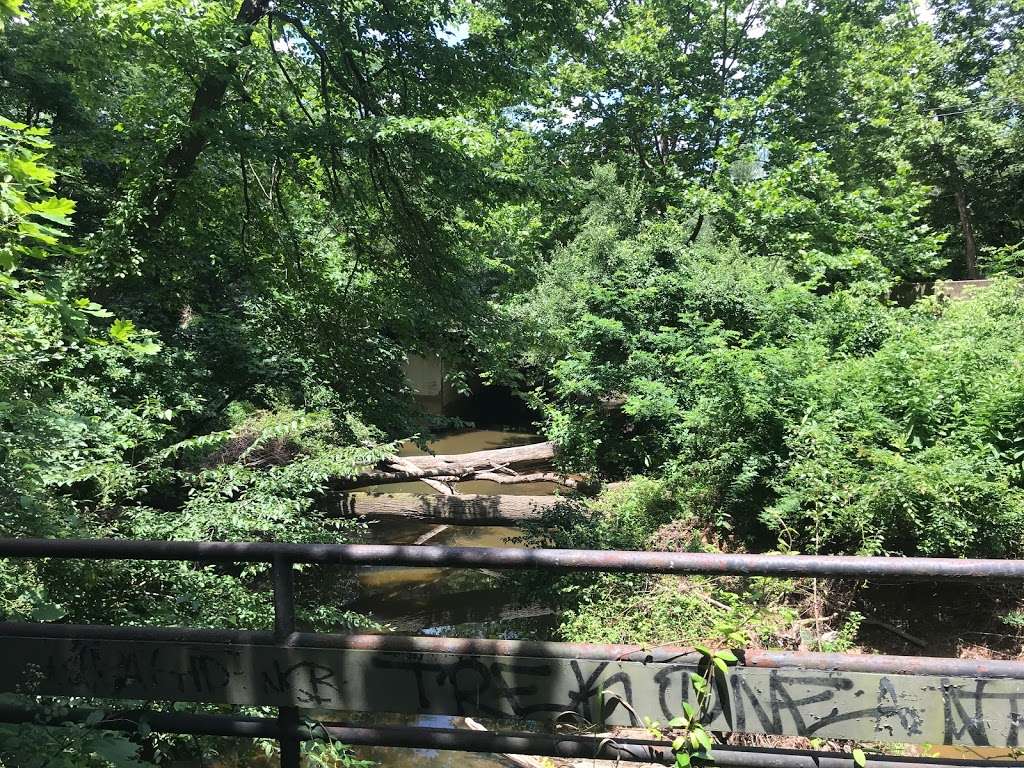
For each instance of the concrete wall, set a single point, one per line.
(908, 293)
(426, 377)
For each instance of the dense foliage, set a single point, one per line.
(676, 227)
(833, 420)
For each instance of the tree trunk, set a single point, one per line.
(469, 509)
(970, 247)
(519, 456)
(180, 160)
(500, 465)
(413, 614)
(956, 181)
(455, 474)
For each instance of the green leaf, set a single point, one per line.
(96, 311)
(727, 656)
(55, 209)
(703, 738)
(32, 170)
(682, 759)
(859, 758)
(145, 348)
(122, 330)
(37, 299)
(40, 232)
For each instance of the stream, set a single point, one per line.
(438, 601)
(445, 601)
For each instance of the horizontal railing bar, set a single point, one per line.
(514, 558)
(30, 629)
(837, 662)
(520, 743)
(884, 664)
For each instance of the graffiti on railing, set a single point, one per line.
(830, 704)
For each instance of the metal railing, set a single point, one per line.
(289, 729)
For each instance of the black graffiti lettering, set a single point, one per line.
(768, 723)
(663, 679)
(780, 693)
(610, 703)
(952, 701)
(594, 688)
(954, 697)
(468, 688)
(780, 700)
(787, 701)
(273, 680)
(85, 665)
(319, 678)
(579, 699)
(127, 671)
(1014, 717)
(514, 695)
(476, 688)
(307, 681)
(910, 719)
(890, 709)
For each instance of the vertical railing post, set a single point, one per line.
(284, 625)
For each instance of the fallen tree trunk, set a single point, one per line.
(469, 509)
(500, 465)
(455, 475)
(414, 614)
(519, 456)
(407, 466)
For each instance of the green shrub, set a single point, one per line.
(648, 609)
(824, 422)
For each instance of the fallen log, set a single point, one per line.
(468, 509)
(443, 488)
(399, 463)
(517, 457)
(500, 465)
(415, 613)
(454, 474)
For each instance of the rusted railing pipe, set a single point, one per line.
(511, 558)
(837, 662)
(565, 746)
